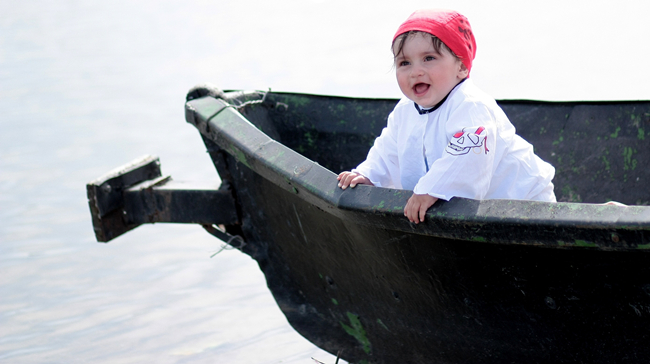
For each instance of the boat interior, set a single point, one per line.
(597, 148)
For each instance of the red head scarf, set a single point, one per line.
(450, 27)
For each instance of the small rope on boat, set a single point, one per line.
(252, 102)
(338, 356)
(227, 238)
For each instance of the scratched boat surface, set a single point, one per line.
(480, 281)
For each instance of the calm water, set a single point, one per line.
(84, 88)
(88, 86)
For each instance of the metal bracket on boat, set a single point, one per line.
(137, 193)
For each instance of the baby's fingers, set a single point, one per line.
(423, 212)
(358, 179)
(345, 180)
(352, 179)
(409, 212)
(341, 178)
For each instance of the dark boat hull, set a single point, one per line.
(479, 282)
(386, 296)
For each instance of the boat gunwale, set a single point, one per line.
(233, 94)
(559, 225)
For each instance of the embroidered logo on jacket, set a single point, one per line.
(464, 141)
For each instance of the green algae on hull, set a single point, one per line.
(356, 330)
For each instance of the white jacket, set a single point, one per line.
(466, 148)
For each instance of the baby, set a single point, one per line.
(447, 138)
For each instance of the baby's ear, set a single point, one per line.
(463, 72)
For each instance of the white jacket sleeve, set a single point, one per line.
(381, 166)
(467, 163)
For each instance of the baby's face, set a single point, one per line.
(424, 75)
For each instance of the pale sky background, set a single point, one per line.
(548, 50)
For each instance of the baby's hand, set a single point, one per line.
(417, 207)
(352, 179)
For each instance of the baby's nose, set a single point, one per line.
(417, 71)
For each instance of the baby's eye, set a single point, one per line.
(403, 63)
(429, 58)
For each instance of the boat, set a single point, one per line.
(491, 281)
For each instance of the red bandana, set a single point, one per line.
(452, 28)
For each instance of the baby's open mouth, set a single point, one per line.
(420, 88)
